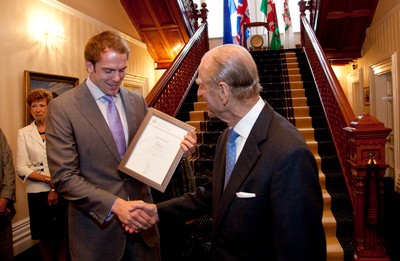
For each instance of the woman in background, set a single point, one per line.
(46, 210)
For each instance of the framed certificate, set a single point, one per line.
(155, 151)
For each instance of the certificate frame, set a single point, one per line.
(155, 151)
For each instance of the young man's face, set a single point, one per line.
(107, 74)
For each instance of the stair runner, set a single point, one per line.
(289, 88)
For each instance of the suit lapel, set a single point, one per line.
(35, 134)
(89, 109)
(247, 159)
(130, 113)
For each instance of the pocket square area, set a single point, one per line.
(245, 195)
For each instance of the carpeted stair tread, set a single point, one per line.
(206, 151)
(318, 160)
(198, 115)
(196, 124)
(308, 133)
(301, 111)
(321, 178)
(200, 106)
(303, 122)
(327, 200)
(329, 222)
(208, 137)
(297, 92)
(313, 146)
(334, 249)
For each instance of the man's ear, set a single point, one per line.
(224, 92)
(221, 92)
(89, 67)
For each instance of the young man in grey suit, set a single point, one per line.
(83, 156)
(271, 206)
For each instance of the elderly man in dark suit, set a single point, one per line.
(84, 151)
(270, 208)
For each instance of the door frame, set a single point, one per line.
(391, 65)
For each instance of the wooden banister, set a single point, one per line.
(358, 142)
(171, 89)
(337, 109)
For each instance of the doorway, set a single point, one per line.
(384, 105)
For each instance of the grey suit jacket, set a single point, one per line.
(283, 221)
(83, 160)
(7, 171)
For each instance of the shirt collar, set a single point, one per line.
(244, 126)
(95, 91)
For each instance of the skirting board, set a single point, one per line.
(22, 236)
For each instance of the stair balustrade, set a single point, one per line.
(171, 89)
(354, 140)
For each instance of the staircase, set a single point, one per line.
(289, 88)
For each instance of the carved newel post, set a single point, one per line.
(367, 139)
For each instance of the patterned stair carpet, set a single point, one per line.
(289, 88)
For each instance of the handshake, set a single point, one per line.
(138, 215)
(135, 216)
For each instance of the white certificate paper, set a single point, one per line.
(155, 152)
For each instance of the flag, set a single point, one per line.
(243, 16)
(229, 9)
(268, 8)
(286, 15)
(289, 35)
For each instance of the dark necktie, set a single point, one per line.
(230, 154)
(115, 125)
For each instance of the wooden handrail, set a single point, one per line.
(337, 109)
(337, 90)
(169, 92)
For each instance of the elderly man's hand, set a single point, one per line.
(188, 145)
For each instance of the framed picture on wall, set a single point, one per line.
(366, 96)
(55, 84)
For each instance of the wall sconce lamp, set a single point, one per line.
(47, 32)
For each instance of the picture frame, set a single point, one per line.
(155, 152)
(56, 84)
(366, 96)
